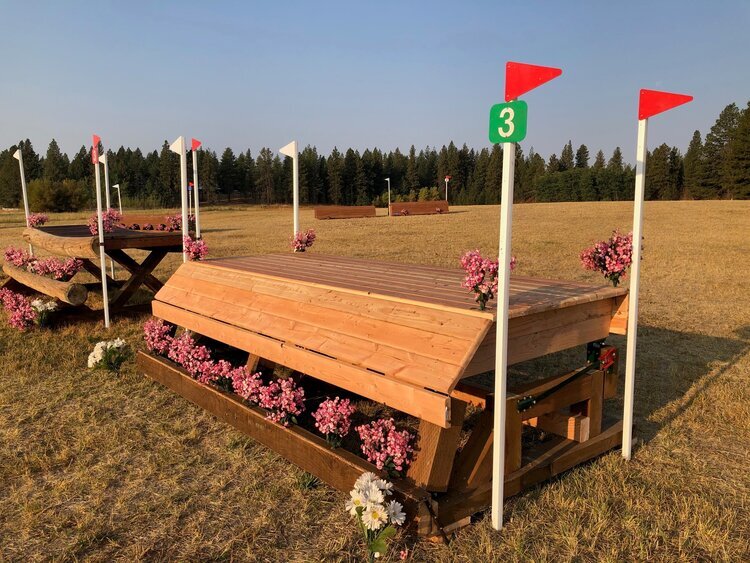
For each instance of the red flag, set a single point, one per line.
(652, 102)
(520, 78)
(196, 143)
(95, 149)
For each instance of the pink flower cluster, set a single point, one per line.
(38, 219)
(283, 400)
(247, 384)
(481, 276)
(158, 336)
(185, 352)
(610, 257)
(385, 446)
(333, 418)
(55, 268)
(174, 222)
(110, 219)
(303, 240)
(195, 249)
(21, 314)
(18, 257)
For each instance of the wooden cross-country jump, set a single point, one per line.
(409, 337)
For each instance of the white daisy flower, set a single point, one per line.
(374, 495)
(357, 499)
(384, 485)
(395, 513)
(374, 517)
(364, 480)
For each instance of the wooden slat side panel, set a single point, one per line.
(394, 363)
(585, 323)
(416, 401)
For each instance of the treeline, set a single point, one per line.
(714, 166)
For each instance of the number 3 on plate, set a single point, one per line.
(508, 122)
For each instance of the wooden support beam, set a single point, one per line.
(139, 274)
(572, 427)
(68, 292)
(436, 450)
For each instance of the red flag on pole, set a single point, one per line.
(195, 144)
(520, 78)
(95, 149)
(652, 102)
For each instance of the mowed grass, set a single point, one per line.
(101, 467)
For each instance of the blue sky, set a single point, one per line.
(385, 74)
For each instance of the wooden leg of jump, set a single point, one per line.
(252, 362)
(433, 461)
(513, 431)
(592, 407)
(138, 277)
(95, 271)
(474, 462)
(133, 267)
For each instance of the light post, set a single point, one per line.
(447, 179)
(119, 197)
(389, 196)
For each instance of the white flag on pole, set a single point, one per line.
(17, 154)
(178, 146)
(290, 149)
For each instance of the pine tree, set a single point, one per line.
(55, 164)
(335, 177)
(566, 157)
(169, 177)
(716, 158)
(582, 157)
(553, 164)
(616, 163)
(412, 177)
(738, 186)
(229, 173)
(361, 184)
(693, 166)
(599, 161)
(348, 177)
(265, 180)
(80, 167)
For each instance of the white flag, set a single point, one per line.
(17, 154)
(178, 146)
(290, 149)
(103, 158)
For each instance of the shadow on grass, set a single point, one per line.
(669, 364)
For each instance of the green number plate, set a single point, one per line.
(508, 122)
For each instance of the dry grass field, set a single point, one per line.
(99, 467)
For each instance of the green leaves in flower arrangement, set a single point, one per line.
(378, 545)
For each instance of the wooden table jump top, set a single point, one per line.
(418, 283)
(118, 238)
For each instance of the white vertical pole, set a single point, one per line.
(446, 189)
(19, 156)
(389, 195)
(295, 187)
(103, 159)
(119, 197)
(501, 341)
(196, 195)
(635, 281)
(102, 255)
(183, 189)
(190, 200)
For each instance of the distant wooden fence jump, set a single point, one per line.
(407, 336)
(419, 208)
(344, 211)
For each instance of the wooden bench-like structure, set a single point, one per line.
(419, 208)
(76, 241)
(344, 211)
(407, 336)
